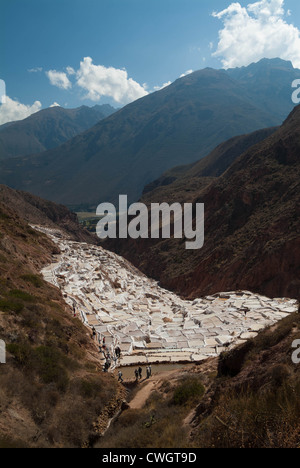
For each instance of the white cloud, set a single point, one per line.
(158, 88)
(2, 92)
(59, 79)
(70, 71)
(55, 104)
(188, 72)
(12, 110)
(100, 81)
(35, 70)
(255, 32)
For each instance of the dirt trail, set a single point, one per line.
(142, 396)
(154, 382)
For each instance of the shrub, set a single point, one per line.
(90, 388)
(10, 305)
(33, 279)
(189, 390)
(47, 362)
(20, 351)
(22, 295)
(44, 361)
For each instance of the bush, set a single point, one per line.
(90, 388)
(44, 361)
(10, 305)
(21, 352)
(33, 279)
(47, 362)
(22, 295)
(189, 390)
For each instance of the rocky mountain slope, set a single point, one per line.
(251, 226)
(35, 210)
(184, 180)
(178, 125)
(47, 129)
(269, 80)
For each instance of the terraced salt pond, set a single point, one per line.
(149, 323)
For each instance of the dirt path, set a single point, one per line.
(142, 395)
(145, 391)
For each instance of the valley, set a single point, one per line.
(148, 323)
(149, 227)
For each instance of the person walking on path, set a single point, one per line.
(118, 352)
(120, 379)
(140, 372)
(136, 372)
(148, 372)
(94, 333)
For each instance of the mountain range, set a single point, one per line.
(178, 125)
(47, 129)
(252, 213)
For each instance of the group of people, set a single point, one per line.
(108, 357)
(138, 373)
(117, 355)
(104, 350)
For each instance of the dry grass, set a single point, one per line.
(160, 423)
(52, 391)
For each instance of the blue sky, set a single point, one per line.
(154, 40)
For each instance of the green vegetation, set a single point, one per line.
(49, 364)
(22, 295)
(35, 280)
(188, 392)
(88, 220)
(10, 305)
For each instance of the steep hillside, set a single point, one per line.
(177, 125)
(254, 402)
(247, 398)
(251, 226)
(35, 210)
(47, 129)
(52, 389)
(181, 182)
